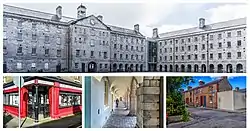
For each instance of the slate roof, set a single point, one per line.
(124, 30)
(209, 27)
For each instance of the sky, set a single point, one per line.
(164, 16)
(235, 81)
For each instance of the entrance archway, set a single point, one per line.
(141, 68)
(211, 68)
(160, 67)
(229, 68)
(92, 67)
(136, 67)
(203, 68)
(189, 68)
(166, 68)
(58, 67)
(170, 68)
(120, 67)
(220, 68)
(182, 68)
(239, 68)
(114, 67)
(196, 68)
(126, 67)
(176, 68)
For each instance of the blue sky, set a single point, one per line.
(164, 16)
(235, 81)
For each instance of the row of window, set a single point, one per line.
(11, 99)
(203, 38)
(81, 30)
(203, 56)
(33, 65)
(67, 99)
(92, 42)
(127, 47)
(203, 47)
(125, 39)
(127, 57)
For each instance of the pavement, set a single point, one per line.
(74, 121)
(120, 119)
(10, 121)
(204, 118)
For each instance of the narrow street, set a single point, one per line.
(120, 118)
(201, 118)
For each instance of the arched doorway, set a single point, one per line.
(239, 68)
(189, 68)
(176, 68)
(171, 68)
(196, 68)
(229, 68)
(92, 67)
(203, 68)
(58, 67)
(182, 68)
(211, 68)
(160, 67)
(121, 67)
(114, 67)
(141, 68)
(131, 67)
(136, 67)
(126, 67)
(220, 68)
(4, 68)
(166, 68)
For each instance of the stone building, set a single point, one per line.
(206, 94)
(36, 41)
(218, 47)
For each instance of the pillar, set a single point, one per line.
(133, 99)
(24, 96)
(149, 103)
(54, 101)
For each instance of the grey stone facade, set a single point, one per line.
(41, 42)
(218, 47)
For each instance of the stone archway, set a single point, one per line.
(189, 68)
(160, 68)
(114, 67)
(239, 68)
(170, 68)
(166, 68)
(176, 68)
(182, 68)
(131, 67)
(203, 68)
(121, 67)
(220, 68)
(229, 68)
(211, 68)
(141, 68)
(126, 67)
(196, 68)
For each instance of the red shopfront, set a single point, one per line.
(43, 97)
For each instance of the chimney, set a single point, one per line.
(201, 82)
(236, 88)
(155, 33)
(59, 12)
(201, 23)
(136, 27)
(100, 17)
(189, 87)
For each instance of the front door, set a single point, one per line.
(201, 100)
(92, 67)
(83, 67)
(205, 101)
(58, 68)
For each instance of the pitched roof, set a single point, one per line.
(124, 30)
(207, 84)
(209, 27)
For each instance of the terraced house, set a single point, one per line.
(206, 94)
(35, 41)
(217, 47)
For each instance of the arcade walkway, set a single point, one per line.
(120, 119)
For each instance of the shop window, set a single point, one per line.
(11, 99)
(106, 89)
(67, 99)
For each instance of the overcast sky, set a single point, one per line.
(165, 16)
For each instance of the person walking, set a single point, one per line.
(117, 102)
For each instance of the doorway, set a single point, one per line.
(92, 67)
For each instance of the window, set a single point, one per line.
(76, 65)
(228, 55)
(58, 40)
(19, 24)
(211, 46)
(67, 99)
(132, 47)
(84, 52)
(176, 49)
(4, 22)
(20, 35)
(33, 51)
(80, 40)
(160, 50)
(115, 46)
(203, 56)
(211, 37)
(182, 40)
(4, 35)
(238, 54)
(34, 37)
(219, 36)
(126, 56)
(195, 39)
(46, 39)
(238, 33)
(106, 65)
(203, 38)
(92, 43)
(219, 55)
(203, 46)
(20, 50)
(33, 25)
(120, 47)
(46, 51)
(100, 65)
(239, 43)
(165, 58)
(106, 93)
(189, 39)
(126, 47)
(182, 48)
(19, 65)
(137, 48)
(77, 53)
(228, 44)
(195, 47)
(92, 53)
(171, 58)
(189, 57)
(229, 34)
(132, 57)
(210, 99)
(211, 56)
(182, 57)
(33, 65)
(170, 49)
(195, 56)
(120, 56)
(100, 53)
(189, 48)
(46, 66)
(11, 99)
(142, 49)
(142, 57)
(220, 45)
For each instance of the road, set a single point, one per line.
(201, 118)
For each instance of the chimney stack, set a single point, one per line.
(201, 23)
(100, 17)
(59, 12)
(136, 27)
(155, 33)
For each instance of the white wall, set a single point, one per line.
(225, 100)
(97, 103)
(239, 100)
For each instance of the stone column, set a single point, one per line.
(132, 99)
(148, 103)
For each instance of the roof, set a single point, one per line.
(207, 84)
(33, 13)
(209, 27)
(46, 78)
(242, 90)
(50, 16)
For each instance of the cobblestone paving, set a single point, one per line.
(119, 118)
(212, 119)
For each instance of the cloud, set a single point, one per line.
(226, 12)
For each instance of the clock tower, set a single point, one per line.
(81, 11)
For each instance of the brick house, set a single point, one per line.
(205, 95)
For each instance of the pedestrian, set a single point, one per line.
(117, 102)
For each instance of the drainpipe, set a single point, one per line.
(36, 104)
(208, 53)
(173, 55)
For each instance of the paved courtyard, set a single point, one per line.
(120, 118)
(201, 118)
